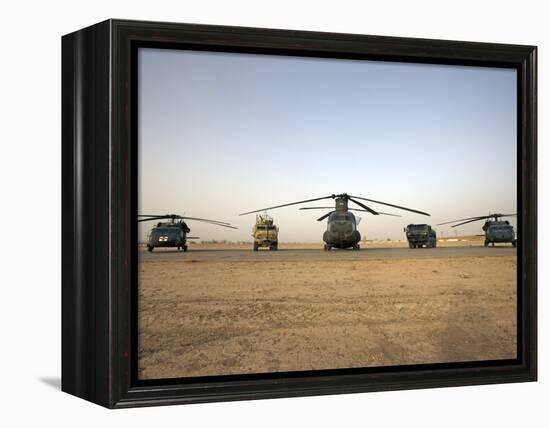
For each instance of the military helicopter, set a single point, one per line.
(174, 232)
(495, 230)
(341, 224)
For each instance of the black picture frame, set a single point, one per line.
(99, 205)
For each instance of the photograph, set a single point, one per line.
(280, 214)
(300, 213)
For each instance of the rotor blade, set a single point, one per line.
(496, 216)
(216, 224)
(203, 219)
(379, 212)
(219, 224)
(325, 216)
(174, 216)
(391, 205)
(177, 216)
(225, 225)
(152, 218)
(466, 222)
(349, 209)
(286, 205)
(393, 215)
(370, 210)
(465, 219)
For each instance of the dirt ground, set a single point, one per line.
(202, 316)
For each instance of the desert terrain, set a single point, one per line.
(223, 309)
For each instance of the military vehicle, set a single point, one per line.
(420, 235)
(496, 230)
(341, 224)
(265, 233)
(173, 234)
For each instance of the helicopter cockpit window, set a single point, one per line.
(419, 228)
(500, 227)
(171, 232)
(342, 222)
(342, 217)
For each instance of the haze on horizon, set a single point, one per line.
(224, 133)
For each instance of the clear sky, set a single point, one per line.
(224, 133)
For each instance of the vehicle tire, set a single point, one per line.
(514, 243)
(255, 246)
(185, 248)
(327, 247)
(150, 248)
(486, 243)
(273, 247)
(435, 243)
(356, 247)
(411, 245)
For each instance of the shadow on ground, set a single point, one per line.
(52, 382)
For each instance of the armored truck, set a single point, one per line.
(421, 235)
(265, 233)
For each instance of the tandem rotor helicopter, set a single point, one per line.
(495, 230)
(174, 232)
(341, 224)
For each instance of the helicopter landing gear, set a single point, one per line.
(150, 248)
(327, 247)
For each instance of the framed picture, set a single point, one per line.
(253, 213)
